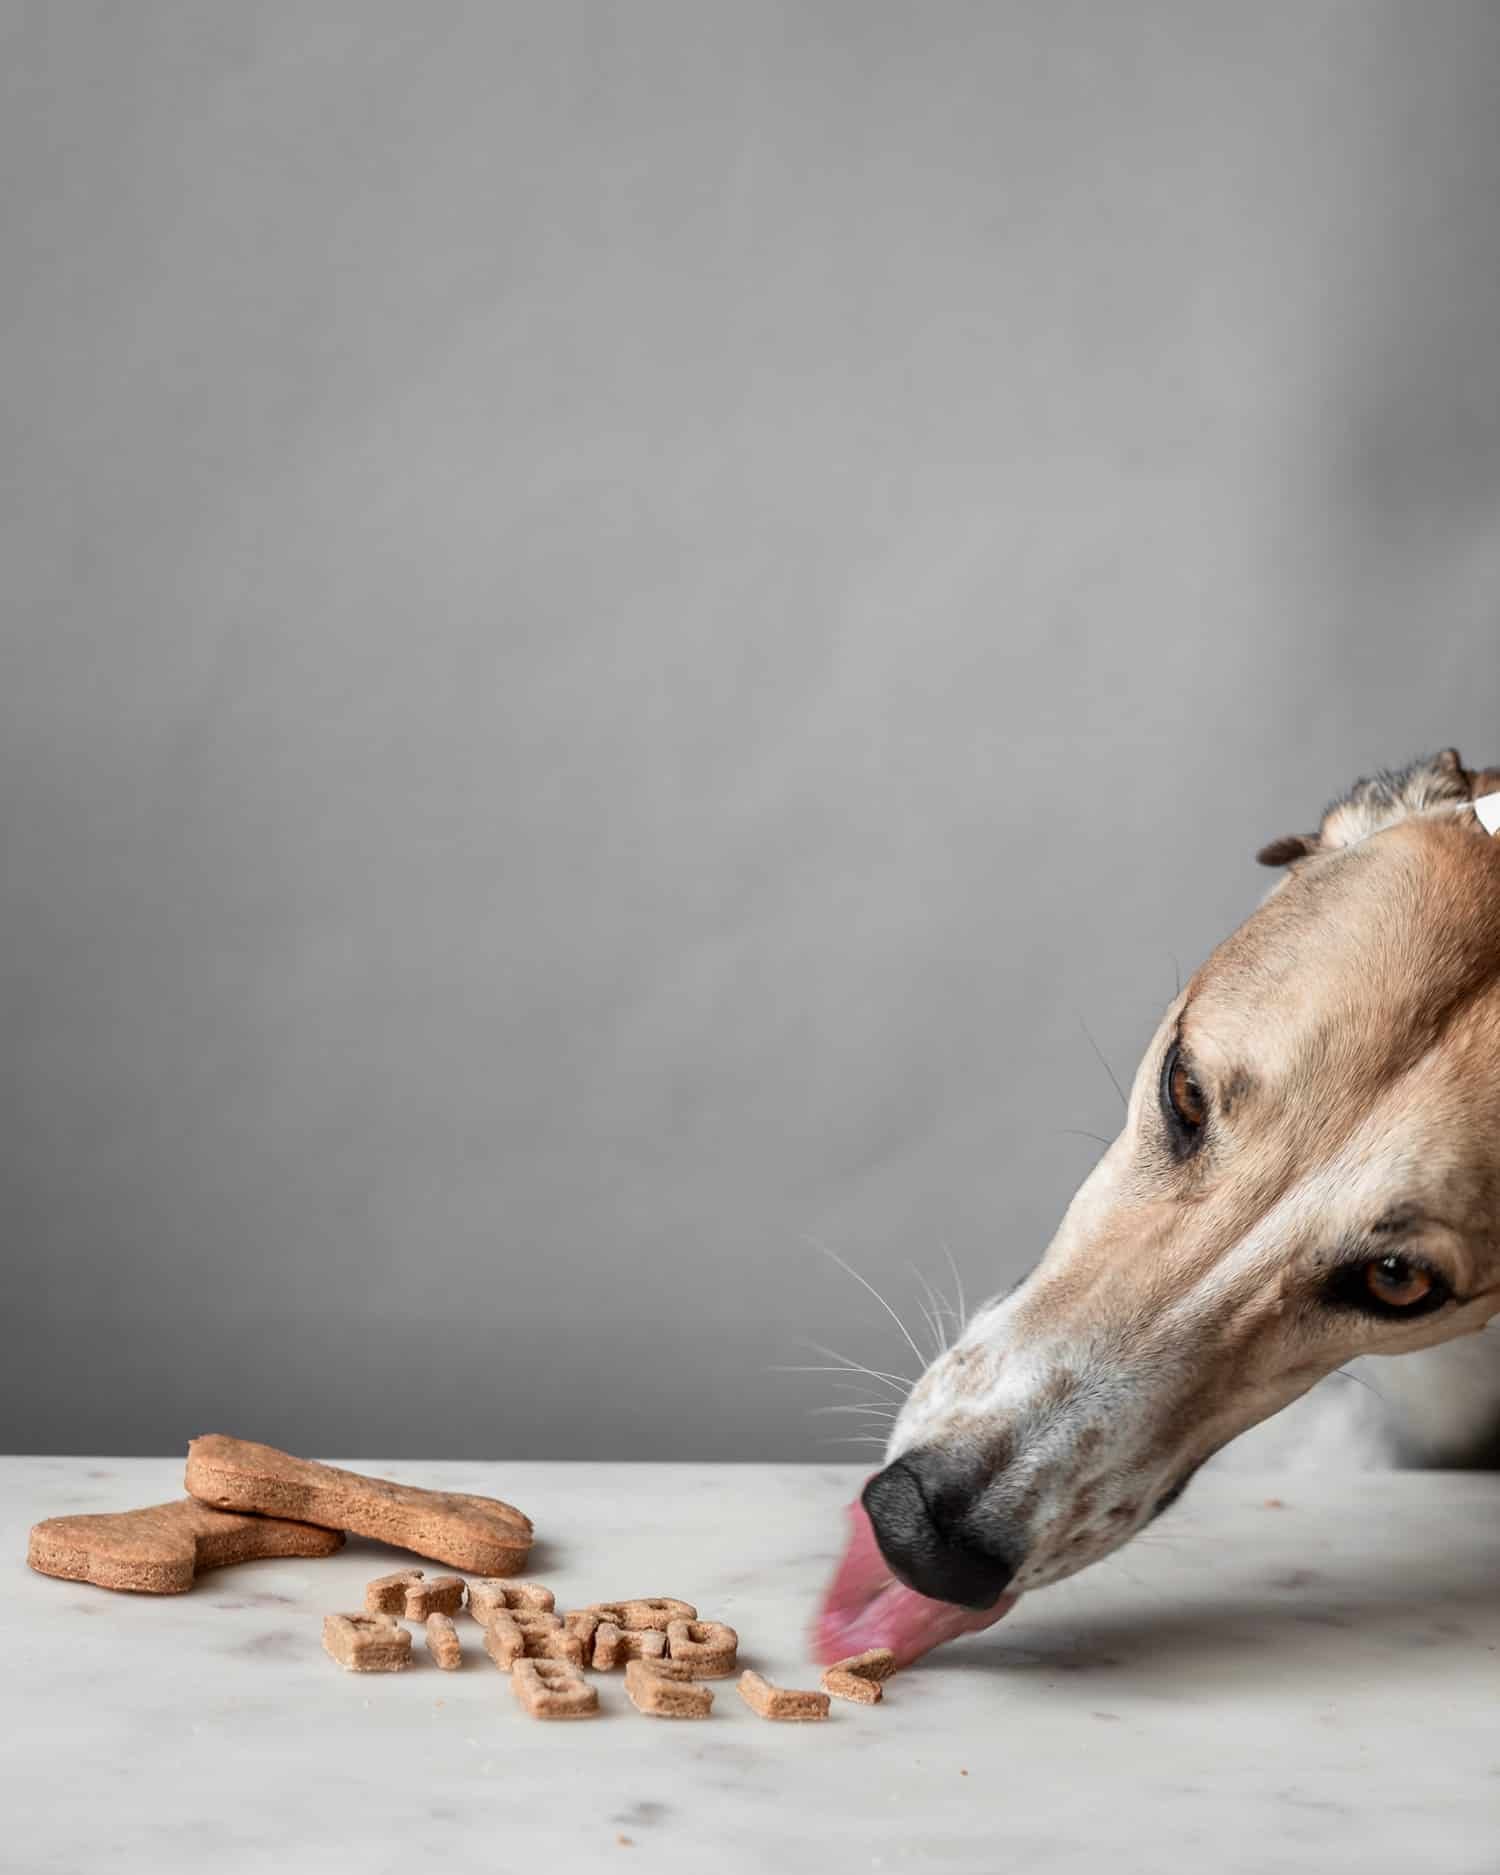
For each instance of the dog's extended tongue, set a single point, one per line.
(867, 1607)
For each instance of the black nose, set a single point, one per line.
(922, 1510)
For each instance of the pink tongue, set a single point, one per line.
(866, 1607)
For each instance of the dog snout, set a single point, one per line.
(924, 1509)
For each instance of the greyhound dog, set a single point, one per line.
(1309, 1172)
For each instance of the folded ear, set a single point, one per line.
(1379, 801)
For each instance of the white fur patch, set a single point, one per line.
(1487, 807)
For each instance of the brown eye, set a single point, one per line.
(1183, 1102)
(1186, 1096)
(1396, 1284)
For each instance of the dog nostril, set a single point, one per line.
(920, 1509)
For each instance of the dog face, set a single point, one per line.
(1309, 1170)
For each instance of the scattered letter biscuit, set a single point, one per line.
(852, 1686)
(442, 1595)
(780, 1702)
(613, 1645)
(487, 1596)
(386, 1595)
(710, 1648)
(503, 1641)
(443, 1642)
(554, 1644)
(481, 1534)
(858, 1678)
(584, 1623)
(660, 1696)
(535, 1620)
(553, 1689)
(876, 1663)
(543, 1635)
(158, 1550)
(649, 1611)
(367, 1643)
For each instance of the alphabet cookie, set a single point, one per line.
(780, 1702)
(366, 1643)
(652, 1688)
(647, 1611)
(709, 1648)
(553, 1689)
(443, 1642)
(859, 1677)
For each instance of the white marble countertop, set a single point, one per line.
(1247, 1690)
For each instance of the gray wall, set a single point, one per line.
(619, 620)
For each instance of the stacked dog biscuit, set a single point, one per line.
(247, 1500)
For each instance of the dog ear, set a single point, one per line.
(1288, 849)
(1379, 801)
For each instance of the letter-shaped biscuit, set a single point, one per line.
(386, 1595)
(858, 1678)
(503, 1641)
(710, 1648)
(367, 1643)
(553, 1689)
(442, 1595)
(660, 1695)
(443, 1642)
(585, 1624)
(780, 1702)
(543, 1635)
(648, 1611)
(613, 1646)
(488, 1595)
(158, 1550)
(481, 1534)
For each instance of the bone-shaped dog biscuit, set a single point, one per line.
(158, 1550)
(481, 1534)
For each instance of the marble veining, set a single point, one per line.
(1248, 1689)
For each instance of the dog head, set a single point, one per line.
(1309, 1170)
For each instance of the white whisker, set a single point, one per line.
(958, 1289)
(864, 1283)
(902, 1382)
(935, 1315)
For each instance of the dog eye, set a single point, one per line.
(1183, 1101)
(1389, 1286)
(1396, 1284)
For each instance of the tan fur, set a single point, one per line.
(1348, 1038)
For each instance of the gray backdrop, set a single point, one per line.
(619, 620)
